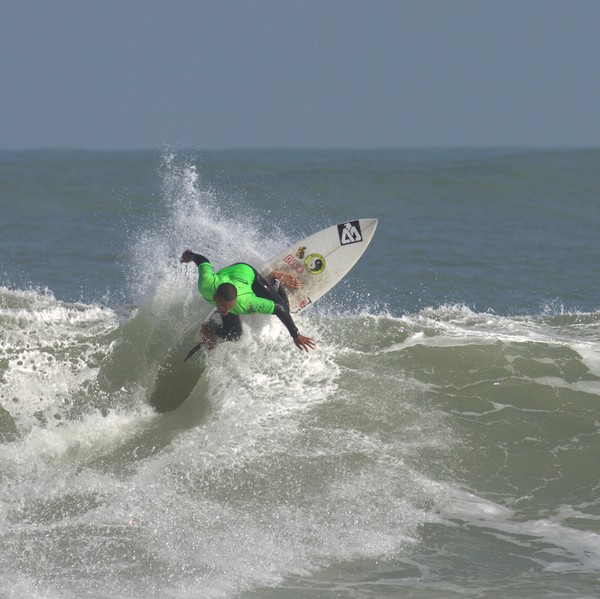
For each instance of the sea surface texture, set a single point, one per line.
(442, 441)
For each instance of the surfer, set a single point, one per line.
(240, 289)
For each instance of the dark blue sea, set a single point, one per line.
(442, 441)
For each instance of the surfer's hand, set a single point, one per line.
(304, 343)
(186, 256)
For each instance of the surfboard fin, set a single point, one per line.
(194, 350)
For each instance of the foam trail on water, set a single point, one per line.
(51, 351)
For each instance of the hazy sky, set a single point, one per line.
(302, 73)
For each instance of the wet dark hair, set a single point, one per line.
(226, 291)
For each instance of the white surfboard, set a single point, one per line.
(319, 262)
(322, 260)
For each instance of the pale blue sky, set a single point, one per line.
(304, 74)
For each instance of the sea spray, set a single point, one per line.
(225, 229)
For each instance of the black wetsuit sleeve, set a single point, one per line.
(286, 319)
(199, 259)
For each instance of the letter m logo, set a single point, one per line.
(350, 232)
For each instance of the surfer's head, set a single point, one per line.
(225, 298)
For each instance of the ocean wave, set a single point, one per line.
(406, 446)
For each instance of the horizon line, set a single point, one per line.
(171, 148)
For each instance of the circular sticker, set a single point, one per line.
(315, 264)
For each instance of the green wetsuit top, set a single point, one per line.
(242, 277)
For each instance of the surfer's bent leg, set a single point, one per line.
(272, 290)
(227, 327)
(264, 288)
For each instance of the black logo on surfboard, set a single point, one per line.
(350, 232)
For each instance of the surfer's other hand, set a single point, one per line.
(304, 343)
(186, 256)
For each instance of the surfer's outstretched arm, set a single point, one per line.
(264, 289)
(189, 256)
(302, 342)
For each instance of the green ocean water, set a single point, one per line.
(442, 441)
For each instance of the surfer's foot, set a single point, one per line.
(286, 279)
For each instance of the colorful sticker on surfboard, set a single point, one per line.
(291, 261)
(304, 302)
(315, 264)
(350, 232)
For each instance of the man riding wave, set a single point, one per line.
(241, 289)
